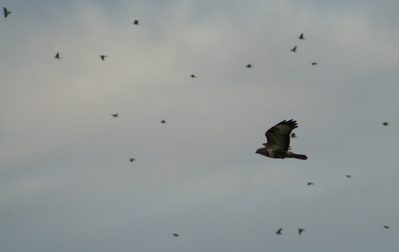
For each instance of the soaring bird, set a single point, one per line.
(278, 141)
(6, 12)
(314, 63)
(163, 121)
(385, 123)
(386, 226)
(279, 231)
(293, 49)
(132, 159)
(57, 56)
(249, 66)
(103, 57)
(177, 235)
(348, 176)
(300, 230)
(301, 36)
(115, 115)
(310, 183)
(136, 22)
(193, 76)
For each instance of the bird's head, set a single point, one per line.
(262, 151)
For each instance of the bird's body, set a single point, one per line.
(301, 36)
(386, 226)
(177, 235)
(293, 135)
(278, 141)
(163, 121)
(300, 230)
(132, 159)
(136, 22)
(279, 231)
(314, 63)
(103, 57)
(57, 56)
(249, 66)
(115, 115)
(310, 183)
(6, 12)
(348, 176)
(385, 123)
(193, 76)
(294, 49)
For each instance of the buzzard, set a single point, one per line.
(278, 141)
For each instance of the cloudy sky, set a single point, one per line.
(67, 183)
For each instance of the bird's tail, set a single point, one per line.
(298, 156)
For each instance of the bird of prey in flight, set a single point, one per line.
(249, 66)
(310, 183)
(314, 63)
(163, 121)
(294, 49)
(278, 141)
(6, 12)
(193, 76)
(132, 159)
(279, 231)
(57, 56)
(177, 235)
(385, 123)
(115, 115)
(136, 22)
(301, 36)
(103, 57)
(300, 230)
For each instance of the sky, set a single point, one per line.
(67, 183)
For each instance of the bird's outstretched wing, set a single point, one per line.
(278, 136)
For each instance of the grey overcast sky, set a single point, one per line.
(67, 183)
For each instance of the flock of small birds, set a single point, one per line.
(293, 135)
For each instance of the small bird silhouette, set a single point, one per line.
(314, 63)
(348, 176)
(132, 159)
(300, 230)
(193, 76)
(279, 231)
(385, 123)
(57, 56)
(294, 49)
(310, 183)
(293, 135)
(301, 36)
(163, 121)
(103, 57)
(115, 115)
(177, 235)
(249, 66)
(136, 22)
(386, 226)
(6, 12)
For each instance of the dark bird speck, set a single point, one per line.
(301, 36)
(279, 231)
(294, 49)
(115, 115)
(6, 12)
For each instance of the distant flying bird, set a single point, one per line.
(301, 36)
(6, 12)
(279, 231)
(103, 57)
(163, 121)
(115, 115)
(136, 22)
(177, 235)
(314, 63)
(385, 123)
(293, 49)
(348, 176)
(278, 141)
(193, 76)
(300, 230)
(249, 66)
(57, 56)
(293, 135)
(386, 226)
(310, 183)
(132, 159)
